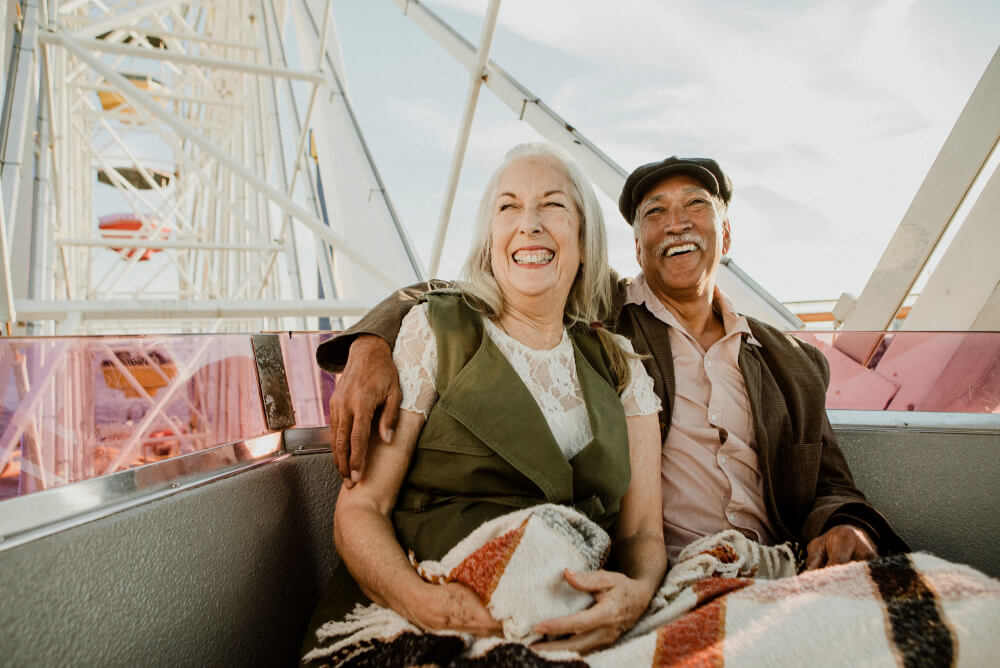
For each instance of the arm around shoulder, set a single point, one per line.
(382, 320)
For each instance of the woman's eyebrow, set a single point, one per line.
(553, 192)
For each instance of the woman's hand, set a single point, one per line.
(619, 601)
(452, 607)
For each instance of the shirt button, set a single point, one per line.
(723, 459)
(714, 417)
(708, 364)
(731, 516)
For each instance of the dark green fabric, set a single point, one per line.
(486, 449)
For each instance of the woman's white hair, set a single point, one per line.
(590, 295)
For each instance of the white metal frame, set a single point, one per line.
(226, 122)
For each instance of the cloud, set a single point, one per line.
(826, 115)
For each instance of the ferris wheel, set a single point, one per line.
(179, 166)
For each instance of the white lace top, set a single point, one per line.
(550, 376)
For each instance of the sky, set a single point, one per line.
(826, 115)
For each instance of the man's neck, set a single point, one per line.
(697, 314)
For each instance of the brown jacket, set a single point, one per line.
(807, 483)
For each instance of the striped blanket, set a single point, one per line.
(727, 601)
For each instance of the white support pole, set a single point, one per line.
(939, 197)
(603, 171)
(188, 59)
(23, 96)
(159, 244)
(304, 131)
(126, 20)
(9, 312)
(476, 75)
(958, 292)
(160, 309)
(141, 98)
(276, 51)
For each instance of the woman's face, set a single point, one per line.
(535, 230)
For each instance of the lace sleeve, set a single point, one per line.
(415, 357)
(638, 397)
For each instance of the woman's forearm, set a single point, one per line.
(643, 558)
(367, 543)
(362, 527)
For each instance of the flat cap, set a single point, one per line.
(640, 181)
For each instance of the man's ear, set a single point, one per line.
(726, 237)
(638, 252)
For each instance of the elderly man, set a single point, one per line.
(746, 440)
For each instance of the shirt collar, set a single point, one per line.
(639, 293)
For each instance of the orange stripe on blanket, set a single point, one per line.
(694, 640)
(712, 588)
(482, 569)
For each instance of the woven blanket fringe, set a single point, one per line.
(364, 623)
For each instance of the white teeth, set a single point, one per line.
(683, 248)
(533, 257)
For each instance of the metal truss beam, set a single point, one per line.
(173, 56)
(160, 309)
(145, 100)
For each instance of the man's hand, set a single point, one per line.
(619, 601)
(369, 381)
(839, 545)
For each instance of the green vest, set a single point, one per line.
(486, 449)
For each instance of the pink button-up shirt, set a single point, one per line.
(709, 469)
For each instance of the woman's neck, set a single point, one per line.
(535, 330)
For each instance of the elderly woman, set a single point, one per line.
(512, 399)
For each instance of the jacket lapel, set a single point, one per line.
(750, 368)
(488, 398)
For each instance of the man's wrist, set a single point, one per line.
(838, 519)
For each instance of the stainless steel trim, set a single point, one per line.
(307, 440)
(33, 516)
(274, 392)
(923, 421)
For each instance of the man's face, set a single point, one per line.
(683, 235)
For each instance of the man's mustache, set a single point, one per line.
(675, 239)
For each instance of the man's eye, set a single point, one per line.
(654, 210)
(696, 201)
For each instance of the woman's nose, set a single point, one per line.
(531, 223)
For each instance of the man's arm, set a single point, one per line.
(382, 321)
(368, 385)
(842, 525)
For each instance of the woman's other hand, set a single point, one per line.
(619, 601)
(453, 607)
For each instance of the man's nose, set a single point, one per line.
(678, 220)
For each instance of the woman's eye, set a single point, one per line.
(504, 207)
(559, 204)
